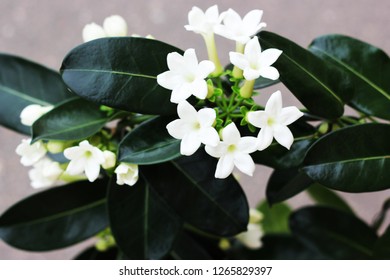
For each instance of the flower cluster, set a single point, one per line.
(215, 123)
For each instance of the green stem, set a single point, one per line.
(247, 89)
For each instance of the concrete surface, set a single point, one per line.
(45, 30)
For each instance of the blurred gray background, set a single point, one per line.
(45, 30)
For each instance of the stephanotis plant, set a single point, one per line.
(139, 144)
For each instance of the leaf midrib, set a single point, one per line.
(355, 72)
(350, 160)
(113, 72)
(23, 96)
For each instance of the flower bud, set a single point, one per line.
(127, 173)
(109, 160)
(115, 26)
(33, 112)
(56, 147)
(93, 31)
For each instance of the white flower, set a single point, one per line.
(252, 237)
(273, 122)
(30, 153)
(84, 157)
(109, 160)
(237, 29)
(256, 63)
(193, 128)
(115, 26)
(126, 173)
(33, 112)
(186, 76)
(203, 22)
(45, 173)
(232, 151)
(93, 31)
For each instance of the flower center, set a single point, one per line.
(196, 125)
(231, 148)
(88, 154)
(270, 121)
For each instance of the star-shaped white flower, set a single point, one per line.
(237, 29)
(30, 153)
(203, 22)
(232, 151)
(256, 63)
(273, 122)
(126, 174)
(33, 112)
(186, 76)
(84, 158)
(193, 128)
(45, 173)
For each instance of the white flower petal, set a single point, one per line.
(269, 56)
(178, 128)
(244, 163)
(257, 118)
(269, 72)
(92, 170)
(209, 136)
(127, 173)
(206, 117)
(265, 138)
(225, 166)
(274, 104)
(205, 68)
(239, 60)
(76, 167)
(180, 93)
(115, 26)
(252, 18)
(93, 31)
(30, 153)
(186, 112)
(230, 134)
(199, 89)
(283, 136)
(252, 51)
(251, 74)
(216, 151)
(247, 144)
(290, 114)
(169, 80)
(252, 237)
(189, 144)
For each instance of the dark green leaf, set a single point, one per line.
(56, 218)
(367, 66)
(326, 197)
(333, 233)
(286, 183)
(121, 73)
(187, 248)
(275, 219)
(23, 83)
(352, 159)
(75, 119)
(142, 223)
(188, 185)
(149, 143)
(318, 84)
(92, 254)
(382, 246)
(264, 82)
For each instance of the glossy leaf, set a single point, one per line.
(187, 248)
(326, 197)
(264, 82)
(121, 73)
(334, 233)
(368, 69)
(275, 219)
(286, 183)
(75, 119)
(382, 247)
(359, 162)
(143, 225)
(56, 218)
(319, 85)
(149, 143)
(188, 185)
(22, 83)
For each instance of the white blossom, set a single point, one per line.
(273, 121)
(252, 237)
(186, 76)
(232, 151)
(203, 22)
(193, 128)
(33, 112)
(126, 174)
(84, 158)
(109, 159)
(256, 63)
(45, 173)
(113, 26)
(238, 29)
(93, 31)
(30, 153)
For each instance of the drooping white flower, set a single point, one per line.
(115, 26)
(232, 151)
(84, 158)
(273, 122)
(30, 153)
(252, 237)
(126, 174)
(256, 63)
(33, 112)
(193, 128)
(45, 173)
(93, 31)
(203, 22)
(109, 160)
(238, 29)
(186, 76)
